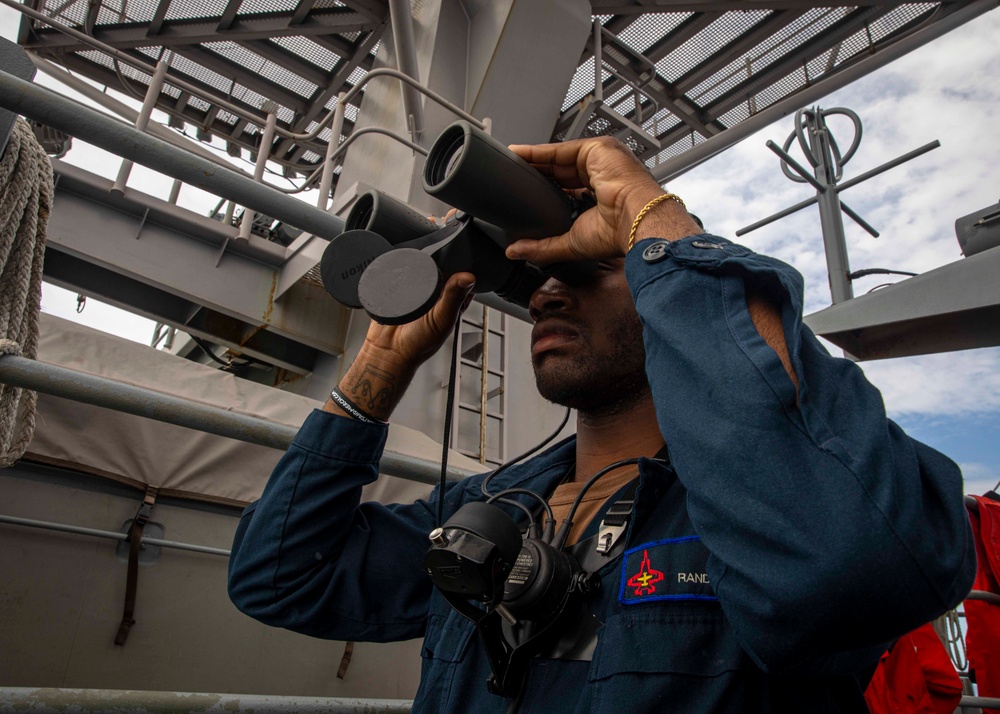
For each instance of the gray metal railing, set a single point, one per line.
(121, 701)
(103, 392)
(125, 141)
(110, 535)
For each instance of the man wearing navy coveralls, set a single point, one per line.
(794, 532)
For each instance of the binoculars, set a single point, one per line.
(392, 261)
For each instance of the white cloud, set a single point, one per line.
(955, 383)
(979, 478)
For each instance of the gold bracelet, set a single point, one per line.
(645, 210)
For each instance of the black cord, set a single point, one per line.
(506, 491)
(877, 271)
(567, 523)
(526, 454)
(448, 413)
(207, 349)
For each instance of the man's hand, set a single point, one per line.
(621, 186)
(389, 358)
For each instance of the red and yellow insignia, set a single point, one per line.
(644, 579)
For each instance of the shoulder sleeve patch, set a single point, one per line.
(673, 569)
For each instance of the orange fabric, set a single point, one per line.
(915, 677)
(983, 618)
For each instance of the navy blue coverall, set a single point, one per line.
(791, 538)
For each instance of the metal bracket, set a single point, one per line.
(148, 553)
(142, 223)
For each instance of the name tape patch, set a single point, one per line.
(673, 569)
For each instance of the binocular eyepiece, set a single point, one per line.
(392, 261)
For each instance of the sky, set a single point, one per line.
(946, 90)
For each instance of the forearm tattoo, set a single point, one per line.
(374, 389)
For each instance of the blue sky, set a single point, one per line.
(947, 91)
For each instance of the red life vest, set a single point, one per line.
(915, 676)
(983, 618)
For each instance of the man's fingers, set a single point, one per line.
(452, 301)
(559, 162)
(543, 251)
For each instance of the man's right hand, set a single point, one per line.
(389, 358)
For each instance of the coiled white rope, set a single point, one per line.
(25, 202)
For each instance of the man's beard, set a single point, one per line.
(605, 383)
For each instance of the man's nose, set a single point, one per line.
(552, 295)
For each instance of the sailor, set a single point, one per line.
(784, 533)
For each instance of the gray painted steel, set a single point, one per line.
(834, 240)
(104, 132)
(110, 535)
(164, 266)
(120, 701)
(90, 389)
(406, 57)
(933, 312)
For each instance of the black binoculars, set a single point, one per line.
(392, 261)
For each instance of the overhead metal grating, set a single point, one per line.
(293, 55)
(673, 72)
(717, 64)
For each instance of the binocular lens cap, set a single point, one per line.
(345, 260)
(399, 286)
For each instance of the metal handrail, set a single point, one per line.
(130, 399)
(107, 133)
(110, 535)
(116, 701)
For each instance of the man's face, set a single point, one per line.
(586, 345)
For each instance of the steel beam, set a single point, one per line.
(228, 16)
(812, 48)
(375, 9)
(317, 104)
(179, 33)
(170, 260)
(245, 76)
(764, 29)
(660, 96)
(615, 7)
(287, 60)
(302, 10)
(241, 337)
(180, 108)
(929, 313)
(159, 17)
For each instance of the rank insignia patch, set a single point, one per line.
(665, 570)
